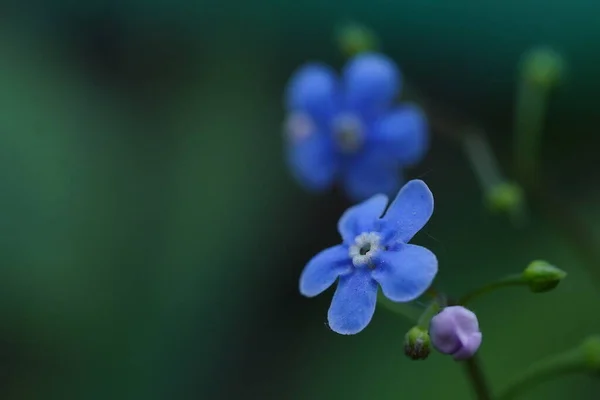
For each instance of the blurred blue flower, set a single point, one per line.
(347, 130)
(374, 252)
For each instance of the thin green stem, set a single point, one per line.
(433, 308)
(559, 365)
(529, 121)
(482, 160)
(499, 192)
(511, 280)
(406, 310)
(477, 378)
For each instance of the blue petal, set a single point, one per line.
(371, 82)
(370, 174)
(406, 273)
(313, 161)
(403, 134)
(409, 212)
(353, 303)
(313, 89)
(361, 217)
(323, 269)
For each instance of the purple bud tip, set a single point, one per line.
(455, 331)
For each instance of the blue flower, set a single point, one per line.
(347, 130)
(374, 252)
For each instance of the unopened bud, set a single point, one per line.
(455, 331)
(542, 277)
(506, 196)
(354, 39)
(543, 67)
(417, 345)
(591, 352)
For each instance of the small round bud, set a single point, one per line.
(354, 39)
(542, 277)
(455, 331)
(591, 352)
(417, 343)
(542, 67)
(505, 196)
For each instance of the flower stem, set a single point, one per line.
(431, 310)
(482, 160)
(540, 72)
(571, 361)
(511, 280)
(477, 378)
(406, 310)
(529, 121)
(499, 193)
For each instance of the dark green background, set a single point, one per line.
(152, 237)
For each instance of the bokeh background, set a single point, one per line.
(152, 236)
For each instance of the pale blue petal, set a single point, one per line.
(353, 303)
(313, 89)
(406, 273)
(409, 212)
(313, 161)
(323, 269)
(370, 174)
(361, 217)
(371, 82)
(403, 134)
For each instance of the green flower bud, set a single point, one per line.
(591, 352)
(542, 277)
(354, 39)
(543, 67)
(417, 344)
(505, 196)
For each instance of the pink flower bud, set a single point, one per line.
(455, 331)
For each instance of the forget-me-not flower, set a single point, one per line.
(374, 253)
(346, 130)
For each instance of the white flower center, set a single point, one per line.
(298, 126)
(365, 246)
(348, 133)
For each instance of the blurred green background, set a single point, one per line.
(153, 237)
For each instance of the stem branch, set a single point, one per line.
(512, 280)
(562, 364)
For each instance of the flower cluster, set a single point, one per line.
(347, 130)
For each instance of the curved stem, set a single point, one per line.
(433, 308)
(406, 310)
(562, 364)
(478, 381)
(511, 280)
